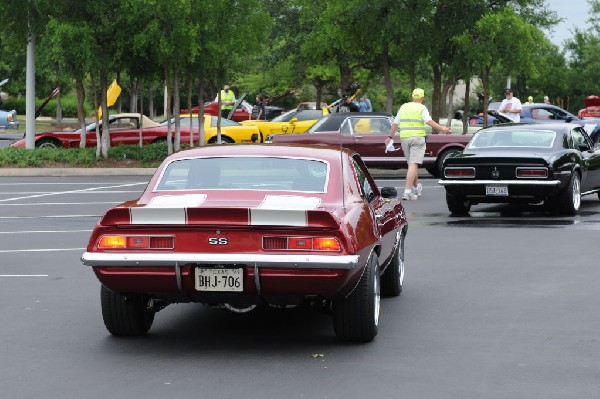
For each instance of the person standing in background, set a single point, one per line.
(227, 101)
(511, 106)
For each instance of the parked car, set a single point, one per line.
(546, 113)
(592, 108)
(125, 129)
(309, 105)
(242, 110)
(290, 122)
(8, 120)
(524, 163)
(249, 225)
(365, 133)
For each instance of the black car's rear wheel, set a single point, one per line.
(393, 277)
(439, 165)
(128, 315)
(458, 205)
(356, 317)
(570, 199)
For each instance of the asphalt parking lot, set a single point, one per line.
(500, 304)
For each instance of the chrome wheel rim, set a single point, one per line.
(47, 145)
(576, 193)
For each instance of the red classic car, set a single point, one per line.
(125, 129)
(248, 225)
(365, 133)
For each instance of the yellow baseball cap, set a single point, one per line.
(418, 93)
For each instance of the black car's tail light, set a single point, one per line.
(330, 244)
(111, 241)
(532, 173)
(459, 173)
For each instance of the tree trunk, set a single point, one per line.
(141, 89)
(387, 77)
(119, 100)
(189, 106)
(59, 116)
(176, 109)
(105, 127)
(436, 97)
(133, 98)
(450, 107)
(98, 138)
(80, 111)
(466, 110)
(486, 94)
(151, 101)
(168, 116)
(201, 140)
(345, 76)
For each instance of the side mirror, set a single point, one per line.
(389, 192)
(293, 120)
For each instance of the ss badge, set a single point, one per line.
(217, 241)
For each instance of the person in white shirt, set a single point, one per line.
(511, 107)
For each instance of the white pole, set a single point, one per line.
(508, 82)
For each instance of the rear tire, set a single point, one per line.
(126, 315)
(458, 205)
(570, 199)
(393, 277)
(356, 317)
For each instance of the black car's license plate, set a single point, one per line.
(219, 279)
(496, 191)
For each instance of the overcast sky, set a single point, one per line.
(574, 12)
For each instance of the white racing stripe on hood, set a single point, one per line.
(177, 201)
(290, 202)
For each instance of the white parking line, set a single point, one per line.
(50, 217)
(72, 191)
(8, 251)
(24, 275)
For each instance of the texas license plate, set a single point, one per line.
(219, 279)
(497, 191)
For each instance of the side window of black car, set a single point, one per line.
(580, 140)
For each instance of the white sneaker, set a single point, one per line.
(417, 190)
(409, 196)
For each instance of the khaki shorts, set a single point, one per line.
(414, 149)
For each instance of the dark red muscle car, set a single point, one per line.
(248, 225)
(365, 133)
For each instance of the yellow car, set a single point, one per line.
(290, 122)
(231, 132)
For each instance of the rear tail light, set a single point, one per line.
(532, 173)
(330, 244)
(459, 173)
(135, 242)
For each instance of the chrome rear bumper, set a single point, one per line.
(104, 259)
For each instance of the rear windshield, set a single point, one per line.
(245, 173)
(513, 138)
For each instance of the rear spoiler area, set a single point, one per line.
(209, 216)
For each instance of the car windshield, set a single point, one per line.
(285, 117)
(245, 173)
(496, 138)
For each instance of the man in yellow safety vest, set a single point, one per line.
(410, 121)
(227, 101)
